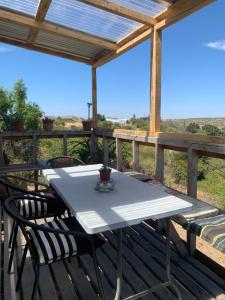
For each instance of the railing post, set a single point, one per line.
(65, 149)
(159, 162)
(93, 146)
(135, 156)
(118, 154)
(1, 153)
(105, 150)
(34, 150)
(192, 192)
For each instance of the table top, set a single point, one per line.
(129, 203)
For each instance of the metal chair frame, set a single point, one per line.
(12, 210)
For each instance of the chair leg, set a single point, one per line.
(18, 283)
(98, 275)
(11, 234)
(13, 247)
(36, 281)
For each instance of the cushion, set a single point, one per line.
(212, 230)
(50, 247)
(32, 209)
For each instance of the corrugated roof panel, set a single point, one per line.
(148, 7)
(86, 18)
(14, 30)
(25, 6)
(68, 45)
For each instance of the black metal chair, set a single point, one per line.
(52, 241)
(63, 162)
(30, 209)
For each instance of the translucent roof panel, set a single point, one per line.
(86, 18)
(148, 7)
(24, 6)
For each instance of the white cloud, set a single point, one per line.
(219, 45)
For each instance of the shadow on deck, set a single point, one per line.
(143, 267)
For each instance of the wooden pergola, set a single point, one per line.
(94, 32)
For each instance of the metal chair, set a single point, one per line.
(52, 241)
(31, 209)
(63, 162)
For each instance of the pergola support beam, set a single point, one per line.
(94, 97)
(121, 11)
(155, 94)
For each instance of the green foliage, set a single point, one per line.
(14, 106)
(211, 130)
(192, 127)
(179, 167)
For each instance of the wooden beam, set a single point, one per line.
(156, 60)
(131, 44)
(165, 2)
(192, 173)
(179, 10)
(135, 156)
(62, 54)
(130, 36)
(159, 162)
(94, 97)
(40, 15)
(121, 11)
(53, 28)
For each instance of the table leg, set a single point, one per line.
(168, 253)
(119, 265)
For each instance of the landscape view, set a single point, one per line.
(14, 106)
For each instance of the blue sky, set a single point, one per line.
(193, 74)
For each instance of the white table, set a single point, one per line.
(128, 204)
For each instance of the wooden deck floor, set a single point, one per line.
(143, 266)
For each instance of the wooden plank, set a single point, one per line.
(118, 154)
(105, 150)
(59, 30)
(207, 284)
(94, 97)
(135, 156)
(159, 162)
(178, 11)
(40, 15)
(129, 275)
(88, 267)
(80, 281)
(63, 281)
(65, 145)
(121, 11)
(139, 266)
(156, 61)
(62, 54)
(124, 48)
(192, 173)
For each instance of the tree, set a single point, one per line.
(192, 127)
(211, 130)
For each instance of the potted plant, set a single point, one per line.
(47, 123)
(105, 173)
(87, 124)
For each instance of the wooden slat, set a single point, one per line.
(159, 162)
(135, 156)
(40, 15)
(121, 11)
(156, 61)
(179, 10)
(59, 30)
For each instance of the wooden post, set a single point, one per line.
(135, 156)
(1, 153)
(105, 150)
(34, 152)
(156, 60)
(94, 97)
(192, 191)
(65, 152)
(159, 162)
(118, 155)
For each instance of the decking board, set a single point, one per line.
(143, 267)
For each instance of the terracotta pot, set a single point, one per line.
(87, 125)
(105, 175)
(47, 124)
(19, 126)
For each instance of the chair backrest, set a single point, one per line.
(64, 161)
(13, 184)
